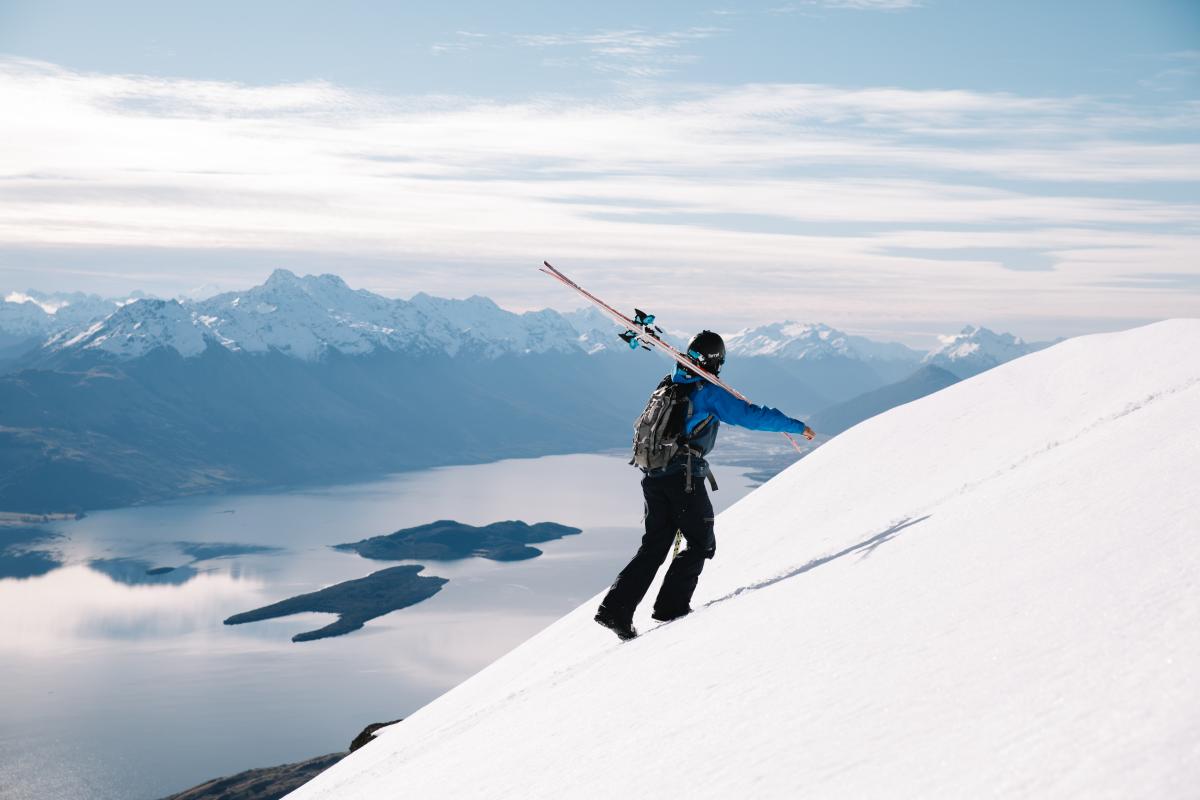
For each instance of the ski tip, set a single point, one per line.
(547, 263)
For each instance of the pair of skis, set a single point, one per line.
(641, 331)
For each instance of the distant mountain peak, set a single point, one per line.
(976, 348)
(37, 316)
(33, 298)
(282, 277)
(136, 328)
(476, 301)
(288, 281)
(594, 331)
(813, 340)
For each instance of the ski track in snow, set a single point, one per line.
(865, 547)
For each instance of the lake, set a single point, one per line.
(121, 685)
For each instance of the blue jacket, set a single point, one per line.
(712, 405)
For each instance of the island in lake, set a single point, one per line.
(354, 601)
(391, 589)
(447, 540)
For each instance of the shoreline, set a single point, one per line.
(251, 488)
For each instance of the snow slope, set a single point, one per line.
(992, 591)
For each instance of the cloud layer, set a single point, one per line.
(791, 199)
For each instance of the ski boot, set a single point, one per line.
(621, 626)
(667, 616)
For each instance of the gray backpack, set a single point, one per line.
(658, 432)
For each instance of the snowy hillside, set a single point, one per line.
(992, 591)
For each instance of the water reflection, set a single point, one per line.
(205, 551)
(27, 565)
(20, 554)
(74, 608)
(133, 571)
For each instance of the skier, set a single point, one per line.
(676, 499)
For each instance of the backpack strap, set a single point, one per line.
(703, 423)
(712, 481)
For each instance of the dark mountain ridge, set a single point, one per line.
(845, 415)
(99, 432)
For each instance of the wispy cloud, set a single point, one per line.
(841, 200)
(855, 5)
(632, 41)
(635, 52)
(628, 52)
(1177, 70)
(463, 40)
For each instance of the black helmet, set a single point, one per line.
(707, 349)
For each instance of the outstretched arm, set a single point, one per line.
(729, 409)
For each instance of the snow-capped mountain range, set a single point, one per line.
(304, 317)
(304, 379)
(31, 314)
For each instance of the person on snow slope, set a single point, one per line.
(675, 495)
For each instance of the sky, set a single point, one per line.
(891, 167)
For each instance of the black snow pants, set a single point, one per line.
(669, 507)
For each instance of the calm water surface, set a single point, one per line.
(119, 685)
